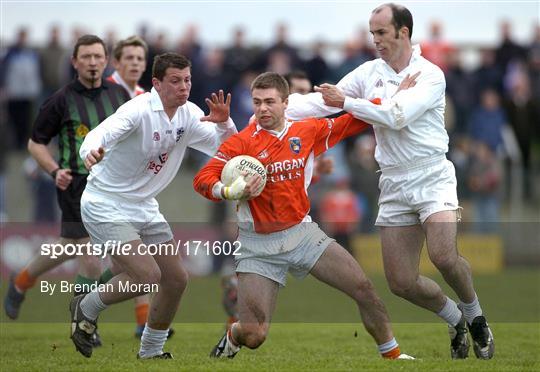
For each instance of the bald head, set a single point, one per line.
(391, 27)
(398, 15)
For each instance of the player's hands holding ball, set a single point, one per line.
(245, 187)
(253, 185)
(243, 177)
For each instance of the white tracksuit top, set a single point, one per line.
(144, 149)
(408, 126)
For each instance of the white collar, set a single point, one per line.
(416, 51)
(155, 101)
(415, 55)
(279, 134)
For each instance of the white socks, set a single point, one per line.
(152, 342)
(230, 347)
(387, 346)
(472, 310)
(91, 305)
(450, 312)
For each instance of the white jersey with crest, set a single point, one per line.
(408, 125)
(144, 148)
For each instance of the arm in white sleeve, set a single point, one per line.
(404, 107)
(208, 136)
(112, 130)
(352, 84)
(303, 106)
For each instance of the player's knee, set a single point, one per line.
(401, 287)
(182, 278)
(255, 337)
(175, 280)
(444, 262)
(149, 276)
(363, 290)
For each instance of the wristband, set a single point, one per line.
(53, 173)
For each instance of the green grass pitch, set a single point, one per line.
(314, 329)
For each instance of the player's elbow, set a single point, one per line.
(399, 117)
(203, 183)
(32, 147)
(202, 189)
(150, 274)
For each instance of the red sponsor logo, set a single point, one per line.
(156, 166)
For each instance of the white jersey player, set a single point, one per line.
(418, 198)
(132, 157)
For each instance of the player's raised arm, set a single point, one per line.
(220, 107)
(205, 139)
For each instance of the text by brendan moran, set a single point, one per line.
(120, 287)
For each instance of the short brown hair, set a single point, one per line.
(163, 61)
(130, 41)
(268, 80)
(88, 40)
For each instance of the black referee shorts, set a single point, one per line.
(69, 201)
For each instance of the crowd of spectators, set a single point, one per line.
(493, 107)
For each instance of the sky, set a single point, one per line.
(474, 22)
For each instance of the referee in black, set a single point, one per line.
(70, 114)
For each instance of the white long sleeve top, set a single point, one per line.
(408, 125)
(144, 149)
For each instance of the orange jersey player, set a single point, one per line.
(276, 234)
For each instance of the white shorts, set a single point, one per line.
(108, 217)
(295, 250)
(410, 194)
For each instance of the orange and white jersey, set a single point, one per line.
(117, 79)
(288, 159)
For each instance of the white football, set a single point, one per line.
(240, 164)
